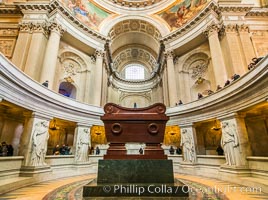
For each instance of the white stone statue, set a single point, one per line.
(230, 143)
(187, 144)
(82, 145)
(39, 143)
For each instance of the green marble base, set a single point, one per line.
(135, 178)
(135, 171)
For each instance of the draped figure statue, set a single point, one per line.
(82, 145)
(39, 143)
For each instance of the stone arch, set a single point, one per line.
(68, 89)
(107, 26)
(195, 69)
(141, 99)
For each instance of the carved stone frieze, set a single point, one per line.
(134, 25)
(7, 46)
(234, 9)
(25, 26)
(8, 32)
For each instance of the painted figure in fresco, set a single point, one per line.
(230, 144)
(39, 143)
(187, 146)
(82, 145)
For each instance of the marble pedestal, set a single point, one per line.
(135, 178)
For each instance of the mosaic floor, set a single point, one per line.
(71, 189)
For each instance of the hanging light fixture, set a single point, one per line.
(216, 127)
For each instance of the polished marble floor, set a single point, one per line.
(71, 189)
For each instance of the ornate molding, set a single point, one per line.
(7, 46)
(135, 3)
(9, 32)
(234, 8)
(134, 25)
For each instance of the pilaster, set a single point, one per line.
(23, 44)
(171, 78)
(36, 49)
(82, 143)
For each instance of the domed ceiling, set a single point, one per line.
(173, 15)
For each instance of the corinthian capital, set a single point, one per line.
(55, 27)
(212, 29)
(25, 26)
(243, 28)
(169, 54)
(99, 53)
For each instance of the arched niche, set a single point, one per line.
(67, 89)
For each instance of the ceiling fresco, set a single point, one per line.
(181, 12)
(87, 12)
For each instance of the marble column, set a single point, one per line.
(33, 144)
(51, 54)
(246, 43)
(219, 68)
(188, 143)
(235, 141)
(98, 78)
(105, 88)
(36, 50)
(82, 143)
(171, 78)
(235, 59)
(22, 45)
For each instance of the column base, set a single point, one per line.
(235, 170)
(30, 171)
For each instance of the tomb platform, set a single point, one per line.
(142, 175)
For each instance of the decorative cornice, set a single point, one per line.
(257, 14)
(239, 8)
(135, 3)
(9, 10)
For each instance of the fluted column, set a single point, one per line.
(171, 76)
(51, 54)
(246, 43)
(98, 78)
(219, 68)
(82, 143)
(36, 50)
(22, 45)
(234, 56)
